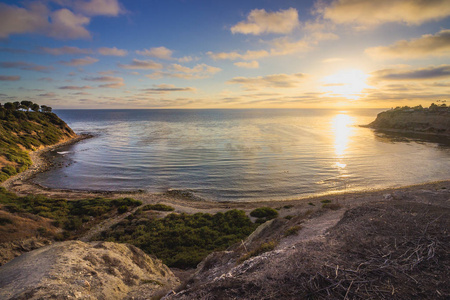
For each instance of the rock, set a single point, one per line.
(96, 270)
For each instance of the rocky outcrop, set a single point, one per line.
(420, 121)
(78, 270)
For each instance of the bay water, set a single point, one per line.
(241, 155)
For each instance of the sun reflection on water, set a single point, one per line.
(342, 129)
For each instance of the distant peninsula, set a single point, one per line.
(432, 120)
(24, 127)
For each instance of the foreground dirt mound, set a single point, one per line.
(387, 250)
(74, 269)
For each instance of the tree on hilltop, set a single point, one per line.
(26, 104)
(46, 109)
(35, 107)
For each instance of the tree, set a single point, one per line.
(16, 104)
(9, 105)
(26, 104)
(35, 107)
(46, 109)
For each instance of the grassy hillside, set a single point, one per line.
(23, 131)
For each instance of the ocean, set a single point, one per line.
(241, 155)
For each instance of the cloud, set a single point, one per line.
(426, 45)
(248, 55)
(185, 59)
(141, 64)
(65, 50)
(442, 71)
(271, 81)
(369, 12)
(112, 51)
(249, 65)
(48, 79)
(113, 85)
(79, 61)
(47, 95)
(259, 21)
(37, 17)
(9, 78)
(24, 66)
(332, 60)
(77, 88)
(166, 88)
(199, 71)
(97, 7)
(67, 25)
(14, 51)
(105, 79)
(158, 52)
(113, 82)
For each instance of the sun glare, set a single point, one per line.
(341, 126)
(345, 83)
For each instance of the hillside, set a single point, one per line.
(77, 270)
(22, 131)
(432, 120)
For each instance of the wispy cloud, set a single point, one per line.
(137, 64)
(248, 65)
(425, 46)
(433, 72)
(47, 95)
(73, 87)
(269, 81)
(97, 7)
(65, 50)
(9, 78)
(199, 71)
(24, 66)
(248, 55)
(112, 51)
(260, 21)
(166, 88)
(79, 61)
(369, 12)
(157, 52)
(112, 82)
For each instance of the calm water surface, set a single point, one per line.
(241, 154)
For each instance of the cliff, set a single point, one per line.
(428, 120)
(25, 131)
(97, 270)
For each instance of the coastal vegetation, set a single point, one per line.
(182, 240)
(26, 126)
(73, 217)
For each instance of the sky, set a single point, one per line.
(225, 54)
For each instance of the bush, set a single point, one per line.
(264, 214)
(123, 209)
(182, 240)
(5, 221)
(292, 230)
(265, 247)
(9, 170)
(158, 207)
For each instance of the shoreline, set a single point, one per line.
(22, 185)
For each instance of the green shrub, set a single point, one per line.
(158, 207)
(123, 209)
(325, 201)
(9, 170)
(182, 240)
(264, 214)
(265, 247)
(292, 230)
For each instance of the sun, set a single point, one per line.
(345, 83)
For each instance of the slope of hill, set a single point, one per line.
(432, 120)
(25, 131)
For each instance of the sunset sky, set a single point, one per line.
(225, 54)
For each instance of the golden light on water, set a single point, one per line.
(346, 83)
(342, 129)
